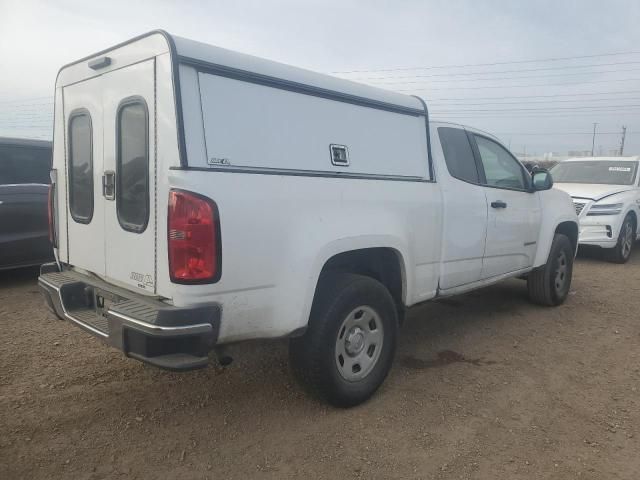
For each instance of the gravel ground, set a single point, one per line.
(485, 386)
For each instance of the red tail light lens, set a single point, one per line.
(51, 213)
(194, 238)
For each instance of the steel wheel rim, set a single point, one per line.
(627, 240)
(359, 343)
(561, 271)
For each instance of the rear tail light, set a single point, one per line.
(51, 214)
(194, 238)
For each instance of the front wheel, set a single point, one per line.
(622, 251)
(348, 348)
(550, 283)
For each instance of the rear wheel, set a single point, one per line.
(550, 283)
(348, 348)
(622, 251)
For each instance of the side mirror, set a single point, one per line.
(542, 180)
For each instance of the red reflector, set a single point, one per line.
(194, 238)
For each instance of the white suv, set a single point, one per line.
(606, 196)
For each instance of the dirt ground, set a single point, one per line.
(485, 386)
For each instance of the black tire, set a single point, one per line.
(622, 251)
(549, 284)
(315, 356)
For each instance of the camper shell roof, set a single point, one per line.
(227, 63)
(236, 65)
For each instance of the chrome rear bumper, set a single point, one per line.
(145, 329)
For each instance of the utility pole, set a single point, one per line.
(593, 141)
(624, 134)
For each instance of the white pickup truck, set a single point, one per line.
(203, 197)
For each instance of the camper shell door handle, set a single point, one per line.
(109, 185)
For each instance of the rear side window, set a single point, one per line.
(132, 187)
(80, 167)
(458, 154)
(24, 164)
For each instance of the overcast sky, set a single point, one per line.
(396, 44)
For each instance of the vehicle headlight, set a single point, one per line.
(605, 209)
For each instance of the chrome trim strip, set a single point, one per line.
(305, 173)
(294, 86)
(66, 314)
(157, 330)
(162, 330)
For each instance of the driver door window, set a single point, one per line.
(500, 168)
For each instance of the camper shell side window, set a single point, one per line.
(81, 166)
(132, 165)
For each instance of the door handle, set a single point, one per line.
(109, 185)
(499, 204)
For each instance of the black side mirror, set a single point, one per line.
(542, 180)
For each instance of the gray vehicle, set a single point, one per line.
(24, 194)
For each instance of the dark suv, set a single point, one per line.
(24, 186)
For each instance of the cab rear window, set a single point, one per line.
(132, 187)
(458, 154)
(80, 167)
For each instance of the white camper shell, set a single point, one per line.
(203, 196)
(204, 107)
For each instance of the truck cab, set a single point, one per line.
(204, 197)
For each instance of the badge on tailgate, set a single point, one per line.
(141, 279)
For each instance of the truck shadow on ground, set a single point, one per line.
(429, 340)
(18, 277)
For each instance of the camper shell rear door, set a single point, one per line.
(110, 167)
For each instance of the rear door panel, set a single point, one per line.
(129, 110)
(86, 238)
(107, 244)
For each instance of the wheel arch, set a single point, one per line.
(634, 216)
(565, 226)
(385, 264)
(570, 230)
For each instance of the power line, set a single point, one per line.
(547, 109)
(561, 133)
(29, 100)
(40, 127)
(540, 96)
(531, 115)
(522, 77)
(510, 62)
(524, 102)
(535, 112)
(522, 86)
(496, 71)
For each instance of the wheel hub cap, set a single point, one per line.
(561, 272)
(359, 343)
(627, 240)
(354, 342)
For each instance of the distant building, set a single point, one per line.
(579, 153)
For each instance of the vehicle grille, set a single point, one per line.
(578, 206)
